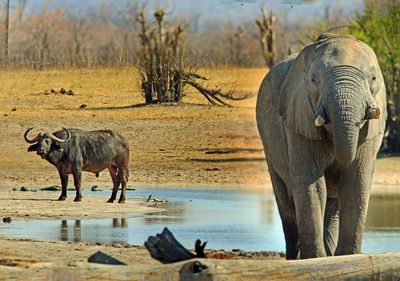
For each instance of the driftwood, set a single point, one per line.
(354, 267)
(165, 248)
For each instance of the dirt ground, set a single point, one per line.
(190, 144)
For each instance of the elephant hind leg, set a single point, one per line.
(331, 225)
(288, 214)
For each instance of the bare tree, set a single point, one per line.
(267, 36)
(7, 25)
(162, 69)
(21, 10)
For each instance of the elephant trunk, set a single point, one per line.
(346, 107)
(345, 126)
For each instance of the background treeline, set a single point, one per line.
(110, 36)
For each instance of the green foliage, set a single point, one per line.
(382, 32)
(308, 33)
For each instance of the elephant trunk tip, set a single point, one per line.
(345, 156)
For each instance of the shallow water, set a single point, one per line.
(227, 219)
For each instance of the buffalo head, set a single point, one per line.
(44, 142)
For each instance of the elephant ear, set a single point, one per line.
(295, 106)
(377, 127)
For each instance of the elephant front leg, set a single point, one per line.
(310, 201)
(287, 213)
(355, 184)
(331, 225)
(308, 161)
(353, 202)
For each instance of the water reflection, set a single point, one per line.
(267, 211)
(173, 212)
(119, 223)
(74, 231)
(383, 213)
(227, 219)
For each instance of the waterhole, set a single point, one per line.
(227, 219)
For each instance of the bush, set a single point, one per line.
(382, 32)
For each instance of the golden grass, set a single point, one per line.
(109, 86)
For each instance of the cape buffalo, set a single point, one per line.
(73, 151)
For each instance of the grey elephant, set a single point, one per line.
(321, 117)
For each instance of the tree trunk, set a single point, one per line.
(7, 24)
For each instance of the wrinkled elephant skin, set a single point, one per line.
(321, 117)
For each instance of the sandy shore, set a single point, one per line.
(31, 259)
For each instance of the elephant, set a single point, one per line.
(321, 117)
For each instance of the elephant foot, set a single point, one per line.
(78, 199)
(62, 198)
(121, 200)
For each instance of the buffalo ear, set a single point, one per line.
(295, 105)
(33, 147)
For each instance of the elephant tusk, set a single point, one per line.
(320, 120)
(373, 113)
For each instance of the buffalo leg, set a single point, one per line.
(116, 181)
(64, 184)
(77, 183)
(123, 176)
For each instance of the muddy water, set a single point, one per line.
(227, 219)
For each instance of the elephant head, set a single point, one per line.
(335, 85)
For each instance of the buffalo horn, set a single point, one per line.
(32, 140)
(320, 120)
(53, 137)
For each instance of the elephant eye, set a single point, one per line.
(313, 79)
(373, 78)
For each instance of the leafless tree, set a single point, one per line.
(6, 32)
(267, 36)
(162, 69)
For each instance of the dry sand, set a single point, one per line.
(187, 145)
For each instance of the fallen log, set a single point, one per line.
(165, 248)
(353, 267)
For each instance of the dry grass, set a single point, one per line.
(105, 88)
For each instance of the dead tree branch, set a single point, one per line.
(267, 36)
(166, 249)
